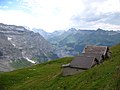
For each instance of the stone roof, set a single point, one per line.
(83, 62)
(98, 56)
(95, 49)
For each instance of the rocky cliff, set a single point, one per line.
(17, 44)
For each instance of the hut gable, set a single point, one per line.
(71, 71)
(98, 56)
(83, 62)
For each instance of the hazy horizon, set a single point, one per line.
(61, 14)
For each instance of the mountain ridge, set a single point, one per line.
(72, 41)
(17, 44)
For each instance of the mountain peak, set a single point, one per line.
(11, 27)
(72, 29)
(99, 29)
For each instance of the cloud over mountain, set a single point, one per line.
(62, 14)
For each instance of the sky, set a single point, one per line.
(51, 15)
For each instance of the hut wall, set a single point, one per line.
(71, 71)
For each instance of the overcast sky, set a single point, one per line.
(53, 15)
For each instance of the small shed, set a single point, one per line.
(79, 64)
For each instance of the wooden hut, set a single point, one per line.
(91, 56)
(79, 64)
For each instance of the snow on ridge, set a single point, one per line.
(9, 39)
(30, 60)
(13, 44)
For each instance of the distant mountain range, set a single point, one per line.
(20, 47)
(72, 41)
(48, 35)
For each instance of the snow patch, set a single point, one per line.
(9, 38)
(30, 60)
(14, 45)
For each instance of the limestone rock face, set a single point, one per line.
(17, 43)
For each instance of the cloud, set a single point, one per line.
(53, 15)
(106, 26)
(99, 13)
(16, 17)
(105, 21)
(113, 18)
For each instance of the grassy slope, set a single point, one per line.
(47, 76)
(21, 64)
